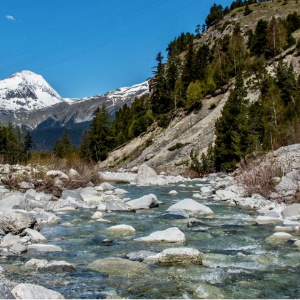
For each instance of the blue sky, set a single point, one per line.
(85, 48)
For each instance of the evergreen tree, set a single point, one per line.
(63, 147)
(259, 40)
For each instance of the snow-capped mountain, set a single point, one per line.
(27, 91)
(27, 100)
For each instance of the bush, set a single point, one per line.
(176, 146)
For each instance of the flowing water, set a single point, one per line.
(238, 262)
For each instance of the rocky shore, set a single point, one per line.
(23, 212)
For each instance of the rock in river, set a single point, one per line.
(181, 255)
(121, 228)
(145, 202)
(33, 291)
(118, 267)
(191, 205)
(44, 247)
(170, 235)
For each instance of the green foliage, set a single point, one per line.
(216, 14)
(194, 95)
(176, 146)
(63, 147)
(247, 10)
(206, 163)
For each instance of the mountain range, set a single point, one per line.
(27, 100)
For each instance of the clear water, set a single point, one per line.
(238, 262)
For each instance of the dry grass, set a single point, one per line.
(257, 176)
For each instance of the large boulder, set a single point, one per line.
(148, 176)
(145, 202)
(191, 205)
(264, 220)
(289, 182)
(57, 174)
(118, 267)
(291, 211)
(170, 235)
(7, 203)
(15, 222)
(225, 195)
(182, 255)
(33, 291)
(57, 266)
(279, 237)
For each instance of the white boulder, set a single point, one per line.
(191, 205)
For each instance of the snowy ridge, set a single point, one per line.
(27, 91)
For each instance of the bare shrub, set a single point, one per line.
(257, 176)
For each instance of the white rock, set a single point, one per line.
(197, 196)
(170, 235)
(9, 240)
(97, 215)
(34, 235)
(44, 247)
(173, 192)
(180, 255)
(145, 202)
(101, 207)
(33, 291)
(291, 210)
(121, 228)
(106, 186)
(225, 195)
(191, 206)
(148, 176)
(36, 263)
(120, 191)
(267, 220)
(284, 228)
(206, 191)
(99, 188)
(280, 236)
(59, 174)
(73, 174)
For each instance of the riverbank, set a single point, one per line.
(89, 236)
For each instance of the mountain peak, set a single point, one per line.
(27, 91)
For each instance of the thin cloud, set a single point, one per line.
(11, 18)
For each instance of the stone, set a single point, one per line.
(25, 185)
(120, 192)
(181, 255)
(101, 207)
(34, 235)
(261, 220)
(97, 215)
(99, 188)
(117, 205)
(134, 169)
(176, 214)
(58, 174)
(36, 263)
(289, 182)
(140, 255)
(170, 235)
(43, 248)
(121, 228)
(106, 186)
(197, 196)
(119, 267)
(191, 205)
(18, 248)
(173, 192)
(15, 222)
(148, 176)
(57, 266)
(55, 205)
(292, 210)
(9, 240)
(284, 228)
(33, 291)
(280, 236)
(206, 191)
(73, 174)
(194, 222)
(225, 195)
(7, 203)
(208, 291)
(145, 202)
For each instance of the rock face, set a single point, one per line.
(32, 291)
(145, 202)
(291, 211)
(191, 205)
(170, 235)
(15, 222)
(118, 267)
(181, 255)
